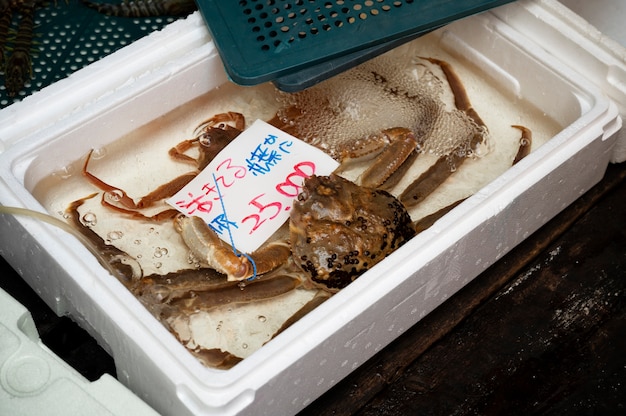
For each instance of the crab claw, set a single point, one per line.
(205, 244)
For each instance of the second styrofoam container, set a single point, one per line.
(314, 354)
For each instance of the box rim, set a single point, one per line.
(464, 208)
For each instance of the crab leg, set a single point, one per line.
(424, 223)
(125, 268)
(120, 194)
(320, 297)
(524, 144)
(205, 244)
(461, 99)
(232, 293)
(400, 150)
(126, 204)
(426, 183)
(236, 118)
(523, 150)
(210, 140)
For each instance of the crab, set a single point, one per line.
(387, 155)
(337, 229)
(210, 137)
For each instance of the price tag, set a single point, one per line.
(246, 192)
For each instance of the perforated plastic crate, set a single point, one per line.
(262, 41)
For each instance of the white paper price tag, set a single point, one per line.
(247, 191)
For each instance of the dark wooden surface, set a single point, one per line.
(543, 331)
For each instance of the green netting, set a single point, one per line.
(69, 36)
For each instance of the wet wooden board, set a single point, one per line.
(543, 331)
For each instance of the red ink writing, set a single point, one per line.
(291, 189)
(256, 217)
(229, 173)
(198, 203)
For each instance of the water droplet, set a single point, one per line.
(98, 153)
(90, 219)
(137, 242)
(262, 318)
(160, 252)
(115, 235)
(204, 140)
(114, 195)
(244, 346)
(158, 265)
(65, 172)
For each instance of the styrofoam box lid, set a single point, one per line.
(579, 44)
(32, 378)
(144, 352)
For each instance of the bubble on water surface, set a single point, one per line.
(160, 252)
(65, 172)
(114, 235)
(90, 219)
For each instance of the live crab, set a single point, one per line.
(338, 229)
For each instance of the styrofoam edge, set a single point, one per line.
(389, 284)
(192, 64)
(99, 79)
(603, 116)
(582, 26)
(577, 43)
(208, 381)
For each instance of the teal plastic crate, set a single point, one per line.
(297, 43)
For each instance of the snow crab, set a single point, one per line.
(338, 228)
(323, 229)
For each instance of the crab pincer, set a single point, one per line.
(206, 245)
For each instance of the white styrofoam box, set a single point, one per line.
(605, 15)
(311, 356)
(580, 45)
(32, 378)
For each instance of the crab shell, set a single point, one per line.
(338, 229)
